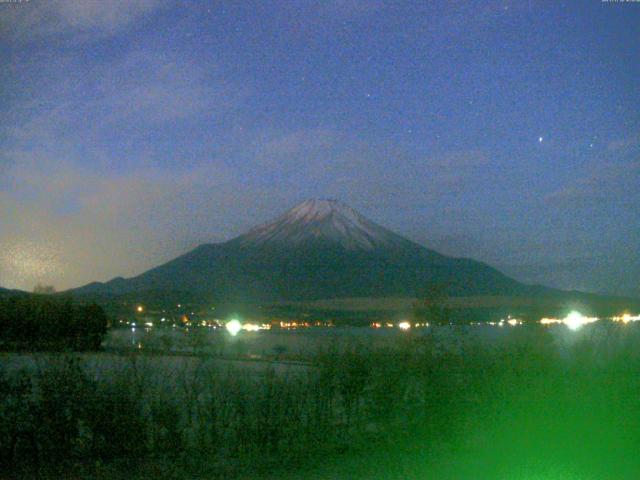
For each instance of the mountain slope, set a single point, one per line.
(4, 292)
(319, 249)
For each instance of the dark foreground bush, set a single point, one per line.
(43, 322)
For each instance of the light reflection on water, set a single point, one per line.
(302, 342)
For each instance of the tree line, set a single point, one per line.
(44, 322)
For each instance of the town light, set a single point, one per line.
(575, 320)
(404, 325)
(233, 327)
(626, 318)
(550, 321)
(250, 327)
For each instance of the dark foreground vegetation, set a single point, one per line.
(417, 409)
(44, 322)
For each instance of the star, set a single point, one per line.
(540, 139)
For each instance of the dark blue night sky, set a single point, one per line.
(508, 131)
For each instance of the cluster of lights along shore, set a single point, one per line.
(573, 321)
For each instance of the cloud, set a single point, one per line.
(112, 113)
(624, 145)
(39, 18)
(299, 142)
(91, 179)
(343, 9)
(157, 87)
(88, 188)
(144, 85)
(66, 226)
(612, 178)
(459, 160)
(312, 11)
(346, 167)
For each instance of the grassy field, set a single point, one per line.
(530, 403)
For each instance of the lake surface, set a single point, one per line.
(301, 343)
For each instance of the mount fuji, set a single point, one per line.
(320, 249)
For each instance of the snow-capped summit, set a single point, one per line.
(314, 209)
(322, 221)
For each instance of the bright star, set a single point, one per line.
(540, 139)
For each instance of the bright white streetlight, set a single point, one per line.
(575, 320)
(233, 327)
